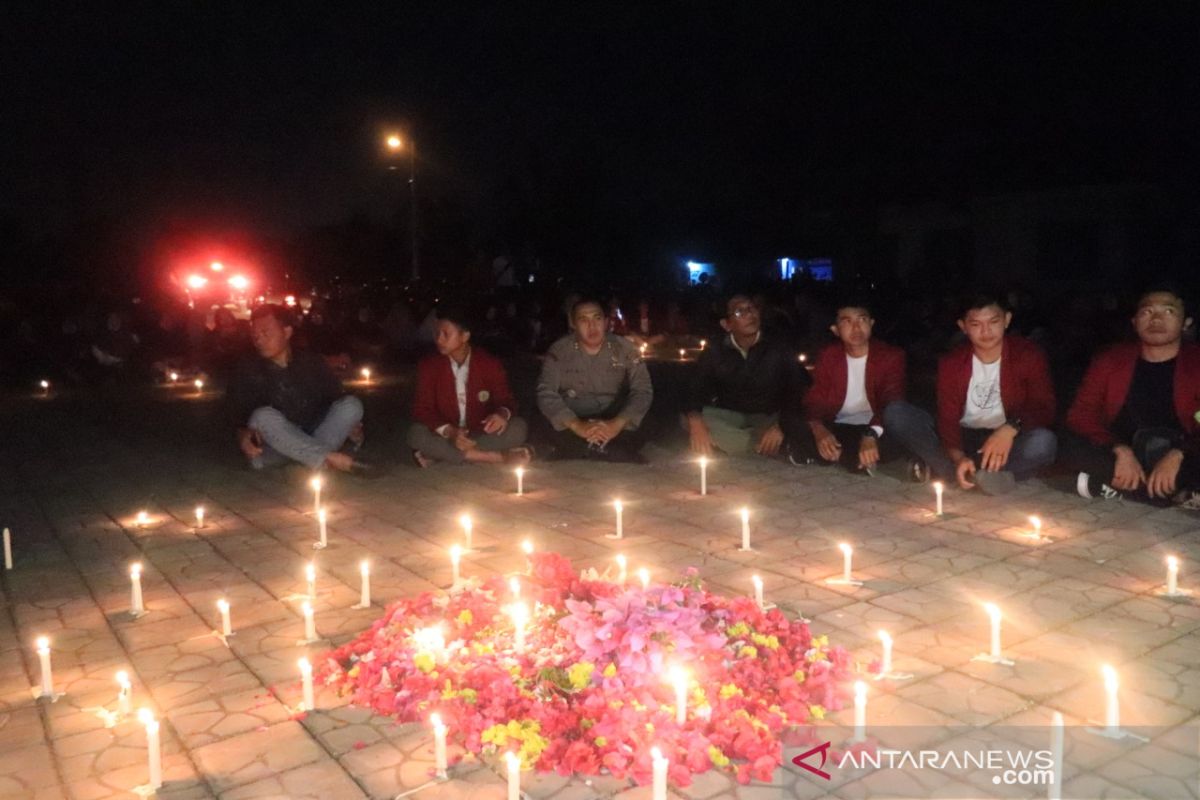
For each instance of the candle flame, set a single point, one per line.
(520, 471)
(43, 643)
(845, 548)
(465, 521)
(1111, 682)
(644, 576)
(617, 505)
(222, 604)
(703, 461)
(1172, 563)
(513, 759)
(366, 373)
(514, 586)
(304, 664)
(145, 716)
(310, 571)
(364, 567)
(621, 561)
(435, 719)
(455, 553)
(860, 691)
(756, 580)
(656, 754)
(938, 486)
(885, 637)
(306, 607)
(745, 514)
(321, 513)
(993, 610)
(527, 547)
(123, 679)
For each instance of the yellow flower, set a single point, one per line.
(610, 670)
(817, 712)
(728, 691)
(718, 758)
(465, 617)
(748, 652)
(816, 655)
(580, 675)
(734, 631)
(424, 662)
(601, 741)
(769, 642)
(799, 676)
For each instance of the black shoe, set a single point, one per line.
(1188, 500)
(1090, 488)
(918, 471)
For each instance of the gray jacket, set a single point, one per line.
(612, 383)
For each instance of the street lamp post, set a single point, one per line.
(395, 144)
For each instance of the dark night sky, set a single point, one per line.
(682, 120)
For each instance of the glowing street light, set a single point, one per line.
(196, 281)
(239, 282)
(394, 142)
(395, 145)
(217, 266)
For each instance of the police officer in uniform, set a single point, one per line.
(594, 390)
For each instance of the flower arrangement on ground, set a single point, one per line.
(581, 686)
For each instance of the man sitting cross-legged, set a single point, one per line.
(463, 410)
(854, 381)
(995, 407)
(287, 404)
(1132, 428)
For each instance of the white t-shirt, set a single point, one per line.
(984, 408)
(856, 408)
(461, 372)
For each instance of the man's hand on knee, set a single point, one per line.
(249, 442)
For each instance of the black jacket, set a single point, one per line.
(302, 391)
(769, 380)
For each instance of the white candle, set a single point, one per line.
(520, 617)
(199, 386)
(703, 343)
(322, 530)
(1056, 751)
(226, 626)
(520, 473)
(439, 744)
(199, 516)
(468, 527)
(659, 785)
(315, 483)
(994, 613)
(621, 566)
(847, 552)
(43, 651)
(7, 549)
(527, 549)
(310, 575)
(745, 529)
(703, 476)
(679, 678)
(860, 711)
(1172, 575)
(938, 488)
(514, 586)
(643, 349)
(1036, 522)
(681, 353)
(143, 519)
(310, 624)
(153, 747)
(644, 576)
(124, 687)
(174, 377)
(514, 775)
(886, 639)
(310, 702)
(364, 594)
(1112, 708)
(455, 555)
(136, 607)
(620, 524)
(366, 374)
(758, 592)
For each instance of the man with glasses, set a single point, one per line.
(747, 389)
(1132, 427)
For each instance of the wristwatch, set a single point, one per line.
(1014, 423)
(870, 433)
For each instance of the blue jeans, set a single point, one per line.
(284, 440)
(915, 430)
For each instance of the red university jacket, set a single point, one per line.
(436, 401)
(1025, 387)
(1106, 383)
(885, 380)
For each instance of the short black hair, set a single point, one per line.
(1163, 287)
(588, 300)
(282, 315)
(982, 298)
(456, 314)
(854, 301)
(729, 298)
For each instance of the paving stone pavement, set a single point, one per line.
(75, 472)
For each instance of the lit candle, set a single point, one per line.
(622, 564)
(310, 624)
(527, 549)
(45, 387)
(1056, 753)
(199, 516)
(681, 354)
(226, 626)
(860, 711)
(366, 374)
(439, 744)
(620, 522)
(847, 553)
(174, 377)
(455, 555)
(1112, 708)
(468, 527)
(514, 586)
(994, 613)
(703, 343)
(758, 592)
(310, 702)
(322, 531)
(520, 617)
(803, 357)
(886, 639)
(520, 473)
(1172, 575)
(7, 549)
(703, 476)
(43, 651)
(659, 785)
(938, 488)
(124, 687)
(644, 577)
(679, 678)
(1036, 522)
(745, 529)
(315, 483)
(514, 775)
(643, 349)
(136, 607)
(364, 594)
(153, 747)
(143, 519)
(310, 574)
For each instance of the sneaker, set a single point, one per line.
(800, 462)
(1090, 488)
(918, 471)
(995, 483)
(1188, 500)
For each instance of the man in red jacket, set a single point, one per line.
(1132, 427)
(995, 407)
(463, 410)
(854, 381)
